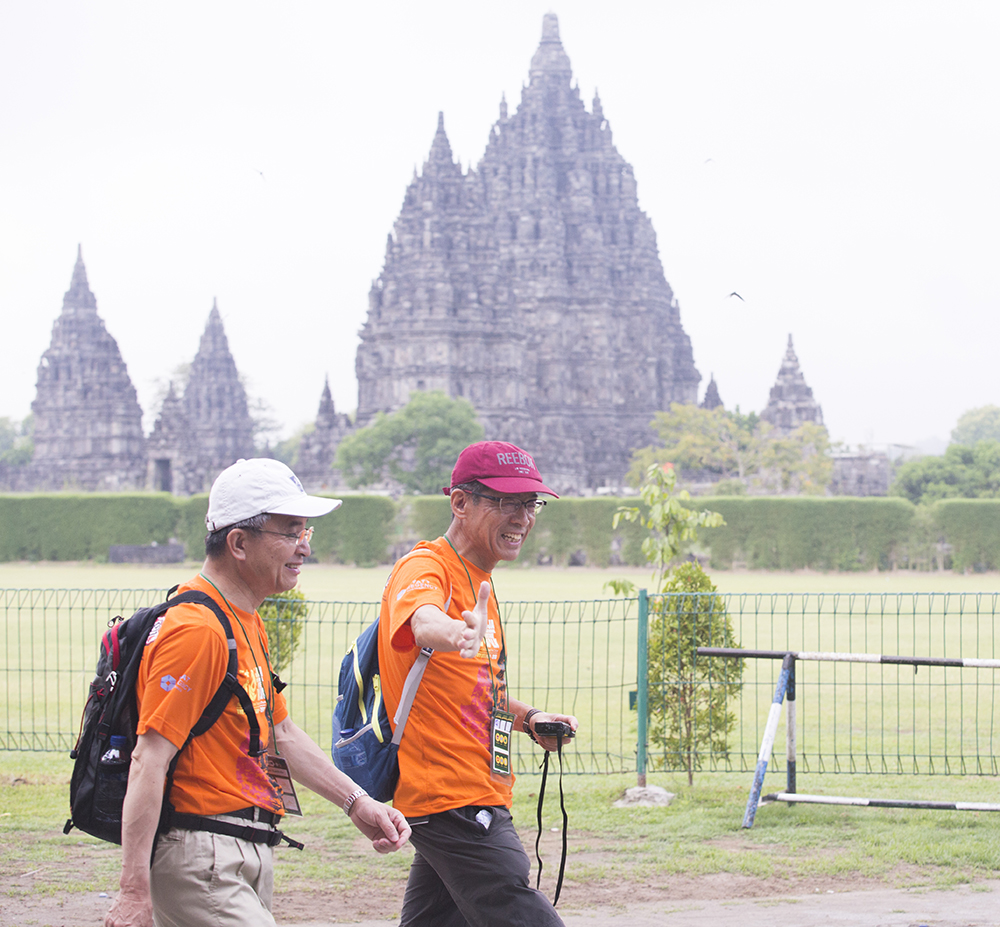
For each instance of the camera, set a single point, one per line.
(553, 729)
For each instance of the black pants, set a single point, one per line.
(466, 874)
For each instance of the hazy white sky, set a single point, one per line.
(837, 164)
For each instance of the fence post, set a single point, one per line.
(642, 683)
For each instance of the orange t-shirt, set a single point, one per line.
(184, 661)
(445, 755)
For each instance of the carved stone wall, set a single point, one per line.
(532, 286)
(88, 424)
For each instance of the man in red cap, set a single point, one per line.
(455, 778)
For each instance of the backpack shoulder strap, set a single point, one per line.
(230, 684)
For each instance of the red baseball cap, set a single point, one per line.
(500, 466)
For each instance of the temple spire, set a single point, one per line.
(550, 59)
(79, 296)
(440, 147)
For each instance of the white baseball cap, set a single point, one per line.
(257, 486)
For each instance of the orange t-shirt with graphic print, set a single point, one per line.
(445, 756)
(182, 665)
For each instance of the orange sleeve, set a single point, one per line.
(182, 672)
(421, 579)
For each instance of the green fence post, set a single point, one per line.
(642, 684)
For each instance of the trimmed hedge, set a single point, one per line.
(68, 526)
(791, 533)
(972, 527)
(762, 532)
(81, 526)
(358, 532)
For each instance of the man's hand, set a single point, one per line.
(475, 624)
(384, 826)
(130, 909)
(552, 743)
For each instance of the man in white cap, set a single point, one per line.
(212, 862)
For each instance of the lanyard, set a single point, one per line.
(503, 644)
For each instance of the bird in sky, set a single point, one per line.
(737, 295)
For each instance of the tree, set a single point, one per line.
(982, 424)
(690, 696)
(16, 444)
(415, 446)
(732, 446)
(688, 705)
(283, 616)
(959, 473)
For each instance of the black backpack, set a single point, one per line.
(97, 790)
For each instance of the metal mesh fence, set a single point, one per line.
(582, 657)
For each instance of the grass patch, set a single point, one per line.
(698, 835)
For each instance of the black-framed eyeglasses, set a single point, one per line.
(509, 506)
(301, 537)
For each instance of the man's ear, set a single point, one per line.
(236, 542)
(460, 501)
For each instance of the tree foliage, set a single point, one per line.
(736, 447)
(416, 446)
(671, 525)
(16, 444)
(284, 617)
(961, 472)
(982, 424)
(688, 696)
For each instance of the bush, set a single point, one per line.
(689, 696)
(284, 617)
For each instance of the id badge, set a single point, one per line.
(277, 769)
(503, 723)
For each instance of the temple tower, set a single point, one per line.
(791, 402)
(533, 287)
(88, 424)
(319, 447)
(197, 437)
(712, 398)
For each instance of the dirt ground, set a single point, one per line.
(684, 902)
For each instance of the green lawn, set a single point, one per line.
(699, 834)
(329, 582)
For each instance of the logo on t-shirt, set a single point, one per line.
(416, 584)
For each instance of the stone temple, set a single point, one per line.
(199, 435)
(88, 424)
(791, 402)
(532, 286)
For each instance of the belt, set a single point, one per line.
(248, 832)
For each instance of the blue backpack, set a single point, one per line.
(364, 743)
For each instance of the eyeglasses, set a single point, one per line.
(302, 537)
(509, 506)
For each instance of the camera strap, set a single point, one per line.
(565, 820)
